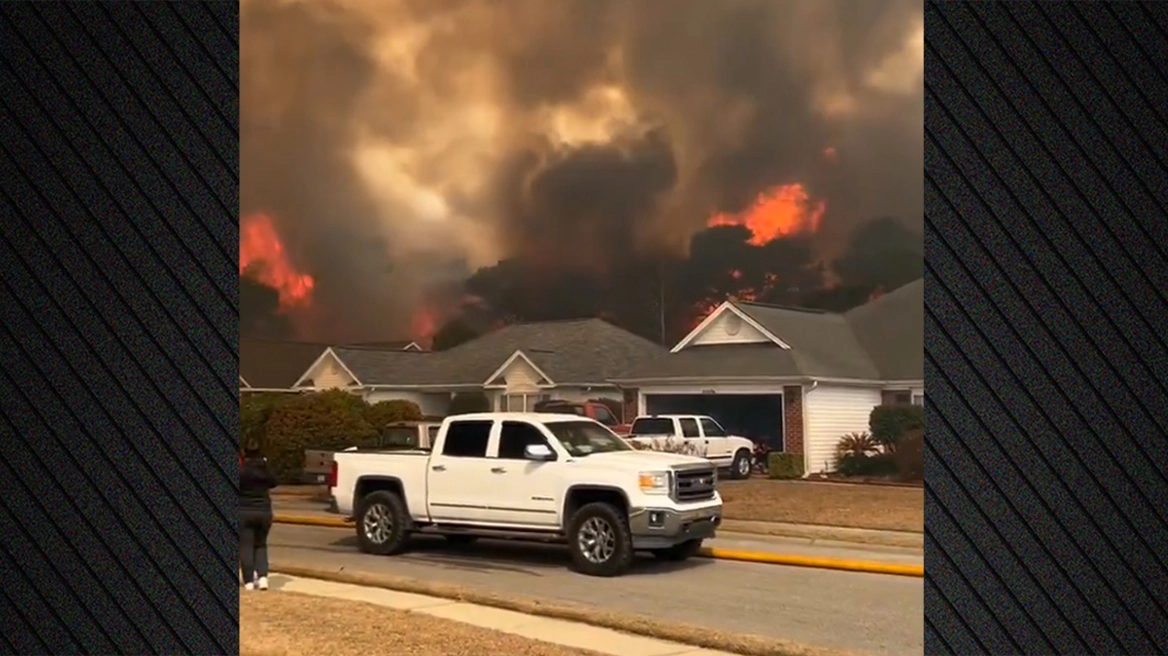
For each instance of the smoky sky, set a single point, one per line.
(400, 143)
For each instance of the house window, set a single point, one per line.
(919, 399)
(521, 402)
(904, 398)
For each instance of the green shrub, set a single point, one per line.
(785, 465)
(254, 410)
(889, 423)
(383, 413)
(856, 444)
(910, 457)
(467, 402)
(873, 465)
(329, 420)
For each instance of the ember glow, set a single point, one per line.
(263, 258)
(781, 211)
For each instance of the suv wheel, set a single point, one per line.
(382, 524)
(599, 540)
(679, 552)
(740, 468)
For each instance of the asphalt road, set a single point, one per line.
(865, 613)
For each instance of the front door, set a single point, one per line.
(525, 493)
(459, 474)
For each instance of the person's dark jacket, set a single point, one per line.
(255, 483)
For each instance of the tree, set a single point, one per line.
(327, 421)
(452, 333)
(259, 311)
(380, 415)
(882, 254)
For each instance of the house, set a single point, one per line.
(515, 367)
(392, 345)
(272, 365)
(799, 379)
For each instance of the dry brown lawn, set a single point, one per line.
(289, 624)
(826, 504)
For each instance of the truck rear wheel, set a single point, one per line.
(382, 523)
(740, 468)
(599, 540)
(678, 552)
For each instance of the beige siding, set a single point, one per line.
(720, 329)
(829, 413)
(330, 374)
(521, 377)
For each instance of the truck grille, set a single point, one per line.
(694, 484)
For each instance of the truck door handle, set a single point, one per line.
(439, 468)
(498, 470)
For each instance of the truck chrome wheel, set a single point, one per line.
(744, 467)
(378, 524)
(597, 540)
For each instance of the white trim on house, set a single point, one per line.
(490, 384)
(905, 385)
(713, 316)
(413, 346)
(328, 351)
(246, 385)
(274, 390)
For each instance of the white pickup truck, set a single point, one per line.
(698, 435)
(543, 477)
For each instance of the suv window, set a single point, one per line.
(515, 437)
(467, 439)
(652, 426)
(433, 431)
(604, 416)
(689, 428)
(401, 436)
(711, 428)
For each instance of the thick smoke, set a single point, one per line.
(401, 143)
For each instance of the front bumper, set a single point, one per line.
(661, 528)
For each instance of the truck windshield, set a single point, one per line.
(582, 438)
(652, 426)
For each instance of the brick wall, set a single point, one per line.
(630, 404)
(793, 419)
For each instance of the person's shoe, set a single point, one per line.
(249, 586)
(262, 583)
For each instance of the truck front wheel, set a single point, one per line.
(599, 540)
(743, 463)
(382, 523)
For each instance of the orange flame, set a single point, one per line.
(262, 257)
(423, 325)
(781, 211)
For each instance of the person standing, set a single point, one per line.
(256, 481)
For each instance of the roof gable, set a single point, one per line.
(328, 372)
(518, 371)
(725, 325)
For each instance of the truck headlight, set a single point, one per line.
(655, 482)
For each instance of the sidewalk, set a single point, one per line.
(560, 632)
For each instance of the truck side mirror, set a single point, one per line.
(538, 452)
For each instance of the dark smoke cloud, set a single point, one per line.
(400, 143)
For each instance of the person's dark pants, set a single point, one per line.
(254, 525)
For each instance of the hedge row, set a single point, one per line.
(283, 426)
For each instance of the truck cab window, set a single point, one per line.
(517, 436)
(605, 417)
(689, 428)
(711, 428)
(652, 426)
(467, 439)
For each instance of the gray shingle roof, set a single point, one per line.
(275, 364)
(590, 351)
(892, 331)
(881, 340)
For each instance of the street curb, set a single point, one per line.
(840, 564)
